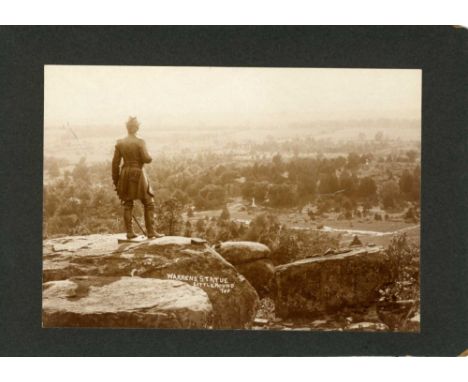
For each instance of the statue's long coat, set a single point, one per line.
(130, 180)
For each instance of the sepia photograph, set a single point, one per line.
(246, 198)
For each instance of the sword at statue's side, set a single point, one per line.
(139, 226)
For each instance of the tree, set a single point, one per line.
(194, 187)
(347, 204)
(188, 229)
(169, 217)
(210, 233)
(412, 155)
(277, 161)
(366, 206)
(323, 206)
(410, 215)
(328, 184)
(241, 230)
(54, 169)
(233, 230)
(260, 191)
(406, 183)
(71, 206)
(347, 183)
(181, 196)
(379, 136)
(200, 226)
(367, 187)
(287, 249)
(200, 203)
(282, 195)
(228, 176)
(162, 195)
(404, 258)
(306, 186)
(416, 190)
(389, 194)
(248, 190)
(213, 196)
(225, 215)
(265, 229)
(354, 160)
(81, 171)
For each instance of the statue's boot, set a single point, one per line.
(128, 220)
(149, 223)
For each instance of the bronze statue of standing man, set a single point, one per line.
(130, 180)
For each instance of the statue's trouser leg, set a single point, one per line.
(148, 205)
(128, 218)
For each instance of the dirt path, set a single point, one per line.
(367, 233)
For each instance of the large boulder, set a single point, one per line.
(238, 252)
(233, 299)
(260, 274)
(317, 285)
(251, 259)
(125, 302)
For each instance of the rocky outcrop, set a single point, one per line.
(238, 252)
(324, 284)
(125, 302)
(234, 301)
(251, 259)
(260, 274)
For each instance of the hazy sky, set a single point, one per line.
(197, 96)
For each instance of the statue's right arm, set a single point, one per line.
(116, 165)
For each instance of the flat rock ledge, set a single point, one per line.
(125, 302)
(180, 259)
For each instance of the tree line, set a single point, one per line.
(80, 199)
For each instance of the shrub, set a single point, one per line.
(169, 217)
(404, 264)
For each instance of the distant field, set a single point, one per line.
(97, 144)
(379, 232)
